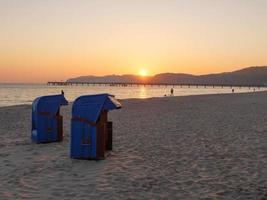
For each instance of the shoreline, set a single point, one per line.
(127, 99)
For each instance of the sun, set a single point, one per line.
(143, 72)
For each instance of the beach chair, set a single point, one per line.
(91, 132)
(46, 119)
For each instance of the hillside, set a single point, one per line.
(246, 76)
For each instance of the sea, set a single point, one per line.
(19, 94)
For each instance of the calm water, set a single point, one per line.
(16, 94)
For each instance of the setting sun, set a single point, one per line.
(143, 72)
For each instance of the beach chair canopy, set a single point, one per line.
(90, 107)
(49, 104)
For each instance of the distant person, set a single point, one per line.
(172, 92)
(233, 90)
(62, 92)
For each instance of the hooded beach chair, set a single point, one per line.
(91, 132)
(46, 119)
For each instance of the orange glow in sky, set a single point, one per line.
(51, 40)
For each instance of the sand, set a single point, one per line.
(195, 147)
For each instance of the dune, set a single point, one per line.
(195, 147)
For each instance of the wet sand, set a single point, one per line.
(195, 147)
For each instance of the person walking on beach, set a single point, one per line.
(172, 91)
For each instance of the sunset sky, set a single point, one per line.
(42, 40)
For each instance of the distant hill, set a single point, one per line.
(247, 76)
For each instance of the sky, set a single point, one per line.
(53, 40)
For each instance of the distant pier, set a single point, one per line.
(119, 84)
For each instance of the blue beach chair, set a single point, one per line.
(46, 119)
(91, 133)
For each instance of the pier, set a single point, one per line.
(120, 84)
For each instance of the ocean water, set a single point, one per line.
(17, 94)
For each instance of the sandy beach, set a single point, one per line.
(194, 147)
